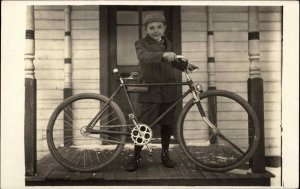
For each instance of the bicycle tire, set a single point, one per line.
(79, 151)
(213, 152)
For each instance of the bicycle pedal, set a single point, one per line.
(150, 151)
(151, 154)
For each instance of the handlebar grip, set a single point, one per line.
(182, 58)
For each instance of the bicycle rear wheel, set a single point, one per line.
(238, 135)
(73, 146)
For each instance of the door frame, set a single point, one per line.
(105, 16)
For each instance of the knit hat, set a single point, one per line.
(152, 17)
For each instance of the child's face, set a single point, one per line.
(155, 30)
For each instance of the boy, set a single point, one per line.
(155, 55)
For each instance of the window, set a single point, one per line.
(129, 29)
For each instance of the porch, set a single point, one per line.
(150, 173)
(234, 62)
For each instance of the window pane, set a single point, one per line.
(126, 37)
(127, 17)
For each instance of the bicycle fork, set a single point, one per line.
(215, 129)
(196, 97)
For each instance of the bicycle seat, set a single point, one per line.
(125, 75)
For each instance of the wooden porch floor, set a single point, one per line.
(150, 172)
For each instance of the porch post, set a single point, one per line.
(30, 96)
(211, 51)
(255, 87)
(68, 133)
(211, 66)
(68, 53)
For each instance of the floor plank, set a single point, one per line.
(163, 172)
(152, 165)
(181, 163)
(187, 166)
(121, 172)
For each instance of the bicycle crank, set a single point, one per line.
(141, 134)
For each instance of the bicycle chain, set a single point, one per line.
(112, 126)
(105, 139)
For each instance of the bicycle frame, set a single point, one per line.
(157, 84)
(132, 116)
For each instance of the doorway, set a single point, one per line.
(121, 26)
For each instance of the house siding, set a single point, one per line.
(270, 23)
(232, 59)
(49, 66)
(49, 59)
(85, 49)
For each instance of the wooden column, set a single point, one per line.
(68, 50)
(68, 115)
(30, 96)
(104, 50)
(210, 50)
(211, 68)
(255, 87)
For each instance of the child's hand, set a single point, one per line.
(169, 56)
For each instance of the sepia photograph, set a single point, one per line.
(151, 93)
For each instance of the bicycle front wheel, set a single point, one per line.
(229, 146)
(78, 149)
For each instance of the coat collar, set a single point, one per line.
(151, 40)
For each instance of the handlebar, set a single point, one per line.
(182, 58)
(181, 63)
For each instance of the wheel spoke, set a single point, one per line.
(68, 141)
(106, 117)
(66, 114)
(74, 155)
(108, 136)
(90, 157)
(83, 157)
(232, 144)
(110, 121)
(71, 143)
(68, 124)
(103, 110)
(97, 157)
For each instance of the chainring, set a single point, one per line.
(141, 134)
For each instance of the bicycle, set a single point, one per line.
(87, 131)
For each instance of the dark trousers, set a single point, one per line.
(151, 111)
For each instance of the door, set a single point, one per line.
(125, 27)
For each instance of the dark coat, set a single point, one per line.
(155, 70)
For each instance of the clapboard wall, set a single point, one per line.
(232, 59)
(49, 65)
(85, 49)
(49, 59)
(270, 23)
